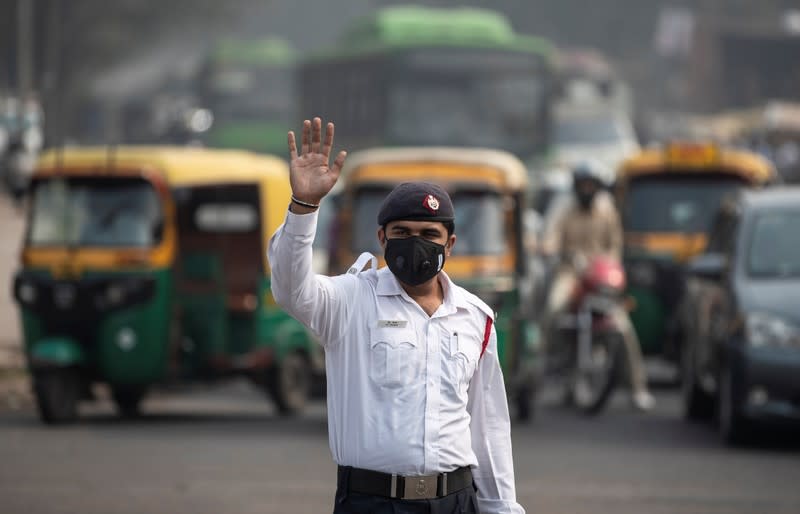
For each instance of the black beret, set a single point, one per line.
(423, 201)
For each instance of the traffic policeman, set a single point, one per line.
(417, 412)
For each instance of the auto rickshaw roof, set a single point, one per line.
(692, 158)
(179, 166)
(511, 169)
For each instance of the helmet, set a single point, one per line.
(593, 173)
(590, 170)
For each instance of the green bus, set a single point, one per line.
(409, 76)
(248, 87)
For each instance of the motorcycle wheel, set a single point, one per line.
(697, 404)
(593, 385)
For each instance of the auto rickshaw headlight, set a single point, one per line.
(642, 274)
(126, 339)
(765, 329)
(115, 294)
(27, 293)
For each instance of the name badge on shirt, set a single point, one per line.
(388, 323)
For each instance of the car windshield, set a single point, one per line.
(479, 222)
(589, 131)
(94, 212)
(675, 204)
(775, 245)
(461, 99)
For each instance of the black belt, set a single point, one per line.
(390, 485)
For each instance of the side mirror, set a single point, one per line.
(711, 266)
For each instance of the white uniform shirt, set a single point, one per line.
(407, 393)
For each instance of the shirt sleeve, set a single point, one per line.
(317, 301)
(490, 427)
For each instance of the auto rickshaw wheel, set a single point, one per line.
(290, 383)
(128, 400)
(57, 391)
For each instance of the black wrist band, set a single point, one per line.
(305, 204)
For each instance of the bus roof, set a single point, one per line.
(265, 51)
(179, 166)
(698, 158)
(402, 27)
(515, 175)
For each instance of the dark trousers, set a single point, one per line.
(459, 502)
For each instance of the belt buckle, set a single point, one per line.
(420, 487)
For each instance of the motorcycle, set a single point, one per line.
(588, 353)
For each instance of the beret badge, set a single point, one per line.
(431, 203)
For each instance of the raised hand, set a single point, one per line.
(310, 176)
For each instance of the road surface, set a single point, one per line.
(223, 450)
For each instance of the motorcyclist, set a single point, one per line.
(586, 229)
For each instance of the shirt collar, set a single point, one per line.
(388, 285)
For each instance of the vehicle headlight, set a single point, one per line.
(115, 294)
(769, 330)
(200, 120)
(32, 139)
(27, 293)
(642, 274)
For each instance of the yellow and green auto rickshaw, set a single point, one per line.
(146, 265)
(488, 188)
(668, 197)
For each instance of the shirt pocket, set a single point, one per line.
(461, 359)
(394, 357)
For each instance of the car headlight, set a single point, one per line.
(769, 330)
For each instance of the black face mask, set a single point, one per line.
(585, 199)
(414, 260)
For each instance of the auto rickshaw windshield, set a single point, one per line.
(479, 216)
(101, 212)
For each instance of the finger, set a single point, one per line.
(306, 137)
(338, 163)
(292, 146)
(326, 148)
(316, 135)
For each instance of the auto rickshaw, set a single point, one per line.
(668, 197)
(144, 265)
(488, 188)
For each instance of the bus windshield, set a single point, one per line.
(117, 212)
(460, 98)
(479, 216)
(677, 203)
(242, 93)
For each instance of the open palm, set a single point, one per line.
(310, 175)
